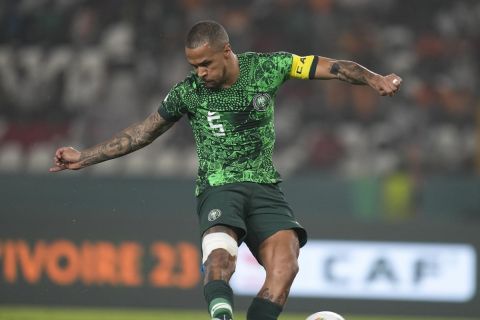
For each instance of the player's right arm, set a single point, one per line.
(131, 139)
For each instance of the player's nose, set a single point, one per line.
(202, 72)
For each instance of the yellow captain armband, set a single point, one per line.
(303, 67)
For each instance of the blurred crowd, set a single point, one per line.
(74, 72)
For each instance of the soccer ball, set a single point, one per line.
(325, 315)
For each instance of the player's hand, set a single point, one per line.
(386, 85)
(66, 158)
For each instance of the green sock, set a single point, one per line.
(219, 297)
(263, 309)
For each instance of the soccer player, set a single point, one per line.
(229, 101)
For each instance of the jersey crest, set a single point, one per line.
(261, 101)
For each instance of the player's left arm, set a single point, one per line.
(355, 73)
(316, 67)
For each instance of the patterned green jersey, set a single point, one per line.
(233, 127)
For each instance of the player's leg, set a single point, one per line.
(278, 254)
(274, 237)
(219, 246)
(220, 211)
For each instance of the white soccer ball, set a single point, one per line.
(325, 315)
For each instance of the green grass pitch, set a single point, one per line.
(44, 313)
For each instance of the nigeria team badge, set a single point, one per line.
(214, 214)
(261, 101)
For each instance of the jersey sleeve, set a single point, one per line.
(282, 63)
(172, 107)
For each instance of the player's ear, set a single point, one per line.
(227, 49)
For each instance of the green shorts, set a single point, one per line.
(255, 211)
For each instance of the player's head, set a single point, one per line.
(208, 50)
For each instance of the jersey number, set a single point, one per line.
(219, 130)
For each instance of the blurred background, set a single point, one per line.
(74, 72)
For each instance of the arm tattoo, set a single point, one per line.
(351, 72)
(131, 139)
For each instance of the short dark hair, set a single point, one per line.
(207, 31)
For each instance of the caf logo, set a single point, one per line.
(214, 214)
(261, 101)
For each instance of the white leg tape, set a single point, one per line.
(218, 240)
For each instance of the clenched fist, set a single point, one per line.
(66, 158)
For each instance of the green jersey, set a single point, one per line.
(233, 127)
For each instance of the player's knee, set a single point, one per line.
(219, 255)
(291, 268)
(284, 271)
(220, 260)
